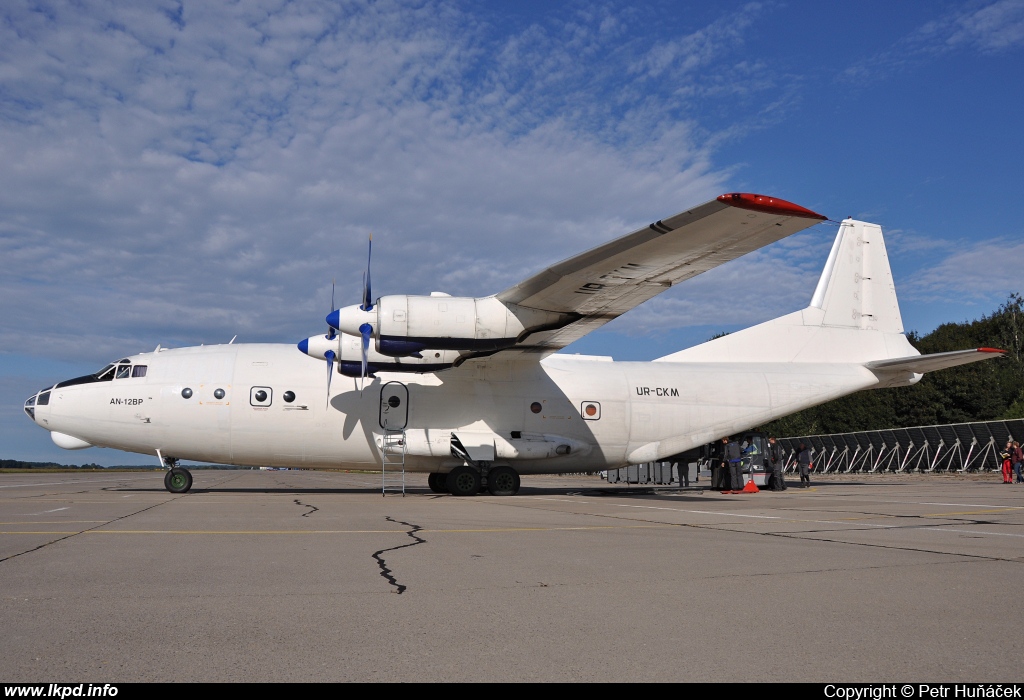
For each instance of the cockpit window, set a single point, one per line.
(139, 371)
(104, 375)
(123, 371)
(44, 399)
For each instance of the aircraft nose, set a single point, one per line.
(30, 407)
(40, 398)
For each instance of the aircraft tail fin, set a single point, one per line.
(853, 315)
(856, 288)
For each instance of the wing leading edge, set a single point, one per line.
(609, 280)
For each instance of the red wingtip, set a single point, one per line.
(768, 205)
(991, 350)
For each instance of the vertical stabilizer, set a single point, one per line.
(853, 315)
(856, 288)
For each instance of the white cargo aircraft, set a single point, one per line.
(471, 390)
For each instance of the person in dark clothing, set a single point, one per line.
(682, 473)
(732, 459)
(803, 459)
(720, 476)
(776, 458)
(1018, 460)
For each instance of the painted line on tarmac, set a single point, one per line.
(971, 505)
(652, 526)
(962, 512)
(52, 522)
(72, 481)
(735, 515)
(973, 532)
(959, 505)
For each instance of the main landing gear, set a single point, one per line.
(436, 482)
(467, 481)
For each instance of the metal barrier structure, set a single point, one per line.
(958, 447)
(658, 473)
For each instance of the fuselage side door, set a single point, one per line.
(394, 406)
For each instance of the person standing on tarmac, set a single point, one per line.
(1018, 459)
(803, 458)
(732, 459)
(777, 459)
(720, 477)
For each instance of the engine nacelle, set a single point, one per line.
(349, 356)
(456, 323)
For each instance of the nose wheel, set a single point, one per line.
(178, 480)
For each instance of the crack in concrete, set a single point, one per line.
(804, 535)
(73, 534)
(109, 522)
(312, 509)
(378, 555)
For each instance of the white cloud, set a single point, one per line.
(988, 271)
(181, 174)
(991, 28)
(986, 27)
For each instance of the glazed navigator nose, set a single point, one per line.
(40, 398)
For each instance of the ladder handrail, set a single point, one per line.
(392, 454)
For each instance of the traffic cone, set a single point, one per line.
(751, 487)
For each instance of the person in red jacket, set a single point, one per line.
(1006, 455)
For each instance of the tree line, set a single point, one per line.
(990, 390)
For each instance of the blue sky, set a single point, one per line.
(183, 173)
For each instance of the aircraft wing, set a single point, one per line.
(609, 280)
(919, 364)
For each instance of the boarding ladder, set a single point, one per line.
(392, 459)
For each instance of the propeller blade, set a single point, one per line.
(331, 333)
(329, 356)
(367, 304)
(365, 331)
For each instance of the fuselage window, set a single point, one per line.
(139, 371)
(123, 371)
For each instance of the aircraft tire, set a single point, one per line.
(436, 482)
(463, 481)
(178, 480)
(502, 481)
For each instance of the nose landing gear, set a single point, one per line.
(177, 479)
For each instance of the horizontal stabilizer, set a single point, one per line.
(919, 364)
